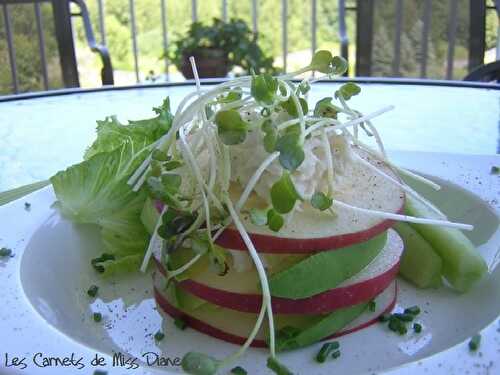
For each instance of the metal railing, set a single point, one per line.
(363, 11)
(65, 43)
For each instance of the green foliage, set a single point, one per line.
(284, 195)
(320, 201)
(234, 39)
(28, 60)
(231, 127)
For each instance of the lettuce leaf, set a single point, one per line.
(95, 191)
(111, 134)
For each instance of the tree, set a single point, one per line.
(28, 59)
(382, 53)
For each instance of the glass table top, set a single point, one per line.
(44, 134)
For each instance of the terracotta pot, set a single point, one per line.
(210, 63)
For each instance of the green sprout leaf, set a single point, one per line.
(173, 164)
(291, 109)
(322, 62)
(325, 108)
(230, 97)
(258, 217)
(340, 65)
(175, 222)
(159, 155)
(165, 188)
(304, 87)
(270, 140)
(320, 201)
(277, 367)
(231, 127)
(218, 259)
(291, 153)
(171, 182)
(199, 364)
(274, 220)
(263, 88)
(348, 90)
(284, 195)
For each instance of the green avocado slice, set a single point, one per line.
(295, 332)
(289, 338)
(326, 270)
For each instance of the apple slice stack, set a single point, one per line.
(328, 275)
(316, 293)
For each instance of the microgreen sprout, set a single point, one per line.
(232, 129)
(348, 90)
(322, 62)
(274, 220)
(283, 194)
(264, 88)
(258, 217)
(320, 201)
(199, 364)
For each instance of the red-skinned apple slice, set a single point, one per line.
(313, 231)
(365, 285)
(232, 324)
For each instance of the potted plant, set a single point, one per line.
(218, 48)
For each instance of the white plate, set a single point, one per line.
(44, 307)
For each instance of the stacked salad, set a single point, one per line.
(269, 221)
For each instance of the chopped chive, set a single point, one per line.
(384, 318)
(336, 354)
(4, 252)
(278, 368)
(414, 310)
(402, 330)
(395, 324)
(404, 317)
(179, 323)
(97, 317)
(326, 350)
(92, 292)
(238, 370)
(27, 206)
(474, 342)
(159, 336)
(372, 305)
(417, 328)
(495, 170)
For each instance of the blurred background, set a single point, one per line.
(149, 40)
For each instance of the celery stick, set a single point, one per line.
(419, 263)
(463, 265)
